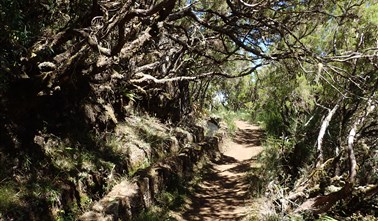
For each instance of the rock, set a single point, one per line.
(174, 146)
(183, 136)
(91, 216)
(144, 186)
(212, 128)
(138, 155)
(119, 203)
(128, 198)
(198, 132)
(156, 183)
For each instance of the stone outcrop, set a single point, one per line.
(127, 199)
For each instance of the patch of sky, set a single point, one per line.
(220, 98)
(280, 5)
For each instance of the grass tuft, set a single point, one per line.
(8, 197)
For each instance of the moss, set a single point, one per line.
(144, 164)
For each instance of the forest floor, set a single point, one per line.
(223, 193)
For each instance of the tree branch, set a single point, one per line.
(322, 131)
(148, 78)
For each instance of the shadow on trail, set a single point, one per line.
(249, 137)
(226, 160)
(242, 167)
(224, 191)
(219, 199)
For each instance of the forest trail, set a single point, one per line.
(223, 192)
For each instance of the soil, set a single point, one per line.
(223, 193)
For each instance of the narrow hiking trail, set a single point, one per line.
(223, 192)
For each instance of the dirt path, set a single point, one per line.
(223, 194)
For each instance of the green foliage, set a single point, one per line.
(171, 200)
(296, 95)
(65, 216)
(166, 201)
(233, 94)
(368, 13)
(304, 91)
(271, 119)
(274, 152)
(154, 214)
(284, 108)
(273, 165)
(9, 197)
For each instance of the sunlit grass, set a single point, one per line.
(229, 117)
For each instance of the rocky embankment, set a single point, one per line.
(184, 150)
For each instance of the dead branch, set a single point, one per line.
(134, 46)
(370, 106)
(322, 131)
(322, 204)
(143, 78)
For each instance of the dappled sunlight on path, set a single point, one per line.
(223, 193)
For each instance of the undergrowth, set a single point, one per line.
(8, 197)
(171, 199)
(272, 185)
(268, 183)
(154, 213)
